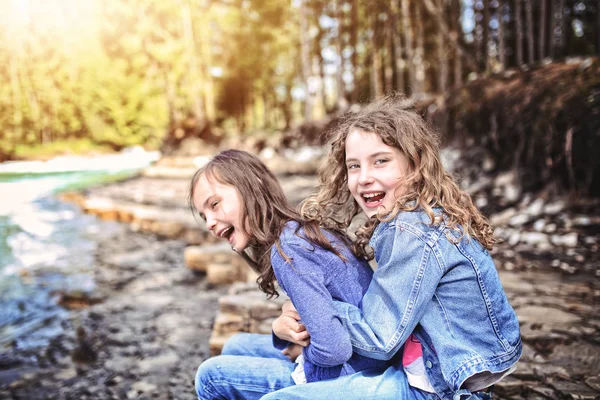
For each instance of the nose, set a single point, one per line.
(211, 222)
(365, 177)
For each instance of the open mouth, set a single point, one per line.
(227, 232)
(373, 198)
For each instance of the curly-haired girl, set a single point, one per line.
(436, 291)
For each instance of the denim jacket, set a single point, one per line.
(448, 293)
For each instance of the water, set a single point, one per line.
(47, 247)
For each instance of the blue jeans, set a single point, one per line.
(249, 367)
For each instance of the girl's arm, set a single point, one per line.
(305, 284)
(402, 287)
(288, 328)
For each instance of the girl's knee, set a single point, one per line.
(204, 376)
(238, 344)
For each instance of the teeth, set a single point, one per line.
(226, 231)
(370, 195)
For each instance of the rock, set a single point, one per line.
(536, 208)
(568, 240)
(169, 229)
(503, 217)
(200, 257)
(554, 208)
(519, 220)
(216, 343)
(550, 228)
(169, 172)
(544, 322)
(539, 225)
(220, 274)
(159, 363)
(227, 323)
(510, 386)
(534, 238)
(575, 390)
(505, 178)
(512, 193)
(545, 392)
(514, 238)
(481, 202)
(582, 220)
(251, 304)
(261, 326)
(593, 382)
(144, 387)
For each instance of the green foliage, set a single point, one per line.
(59, 147)
(126, 72)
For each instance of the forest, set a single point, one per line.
(115, 73)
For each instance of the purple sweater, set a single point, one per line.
(315, 278)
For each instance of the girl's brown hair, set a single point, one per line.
(265, 208)
(427, 186)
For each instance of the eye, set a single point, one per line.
(214, 204)
(381, 161)
(202, 216)
(352, 166)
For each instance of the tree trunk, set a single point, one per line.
(597, 26)
(477, 35)
(376, 90)
(519, 29)
(286, 107)
(440, 20)
(419, 51)
(501, 43)
(552, 38)
(542, 37)
(318, 52)
(408, 45)
(190, 46)
(388, 54)
(529, 20)
(485, 45)
(266, 110)
(17, 117)
(567, 29)
(399, 62)
(353, 43)
(340, 101)
(306, 64)
(443, 62)
(208, 87)
(456, 31)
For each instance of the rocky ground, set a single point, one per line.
(150, 327)
(144, 339)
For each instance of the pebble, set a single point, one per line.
(568, 240)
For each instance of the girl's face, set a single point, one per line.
(220, 205)
(374, 171)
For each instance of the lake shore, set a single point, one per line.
(150, 329)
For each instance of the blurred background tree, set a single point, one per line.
(115, 73)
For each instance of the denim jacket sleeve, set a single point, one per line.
(404, 283)
(304, 282)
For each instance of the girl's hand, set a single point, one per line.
(292, 351)
(287, 327)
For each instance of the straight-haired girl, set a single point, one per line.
(243, 203)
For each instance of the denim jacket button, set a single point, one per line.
(429, 364)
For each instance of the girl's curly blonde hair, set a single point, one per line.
(427, 186)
